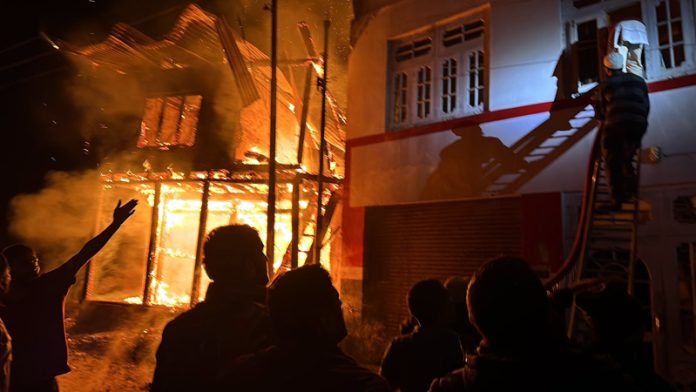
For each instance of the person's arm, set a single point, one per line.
(93, 246)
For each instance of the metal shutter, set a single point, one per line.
(408, 243)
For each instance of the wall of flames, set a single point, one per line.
(175, 235)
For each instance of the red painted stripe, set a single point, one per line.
(446, 125)
(504, 114)
(671, 84)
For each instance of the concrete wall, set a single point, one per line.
(524, 42)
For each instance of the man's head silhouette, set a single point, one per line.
(305, 308)
(508, 304)
(23, 262)
(234, 254)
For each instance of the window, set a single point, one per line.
(461, 33)
(476, 78)
(670, 33)
(400, 97)
(587, 52)
(170, 122)
(449, 85)
(423, 88)
(446, 68)
(414, 49)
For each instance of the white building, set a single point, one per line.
(516, 69)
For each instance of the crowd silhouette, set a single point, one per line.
(500, 330)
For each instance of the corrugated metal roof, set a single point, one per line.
(197, 39)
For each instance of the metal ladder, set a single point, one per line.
(606, 242)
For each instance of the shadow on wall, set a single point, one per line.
(463, 164)
(478, 165)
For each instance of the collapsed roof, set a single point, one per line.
(201, 39)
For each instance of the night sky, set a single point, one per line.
(39, 121)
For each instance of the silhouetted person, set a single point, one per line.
(34, 309)
(618, 324)
(509, 307)
(308, 324)
(412, 361)
(232, 320)
(623, 107)
(464, 164)
(5, 340)
(468, 335)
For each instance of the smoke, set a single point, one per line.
(57, 220)
(110, 106)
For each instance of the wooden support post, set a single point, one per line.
(322, 146)
(295, 245)
(270, 221)
(304, 113)
(202, 230)
(152, 248)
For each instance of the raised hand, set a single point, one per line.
(123, 212)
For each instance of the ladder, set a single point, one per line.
(605, 244)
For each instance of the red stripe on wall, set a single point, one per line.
(353, 225)
(504, 114)
(671, 84)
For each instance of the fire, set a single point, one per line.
(178, 219)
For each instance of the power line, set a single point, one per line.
(18, 44)
(20, 81)
(28, 60)
(48, 53)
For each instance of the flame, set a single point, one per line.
(318, 68)
(171, 278)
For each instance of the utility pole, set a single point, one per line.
(270, 221)
(319, 238)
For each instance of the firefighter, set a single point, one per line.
(623, 108)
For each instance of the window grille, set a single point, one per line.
(400, 97)
(670, 33)
(476, 79)
(413, 49)
(170, 122)
(424, 88)
(461, 33)
(449, 85)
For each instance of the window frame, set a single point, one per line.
(434, 60)
(187, 100)
(654, 69)
(653, 66)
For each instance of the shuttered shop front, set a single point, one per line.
(408, 243)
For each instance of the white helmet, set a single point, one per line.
(614, 60)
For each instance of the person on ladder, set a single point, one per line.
(623, 107)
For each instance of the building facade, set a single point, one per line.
(469, 128)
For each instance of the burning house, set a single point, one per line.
(198, 156)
